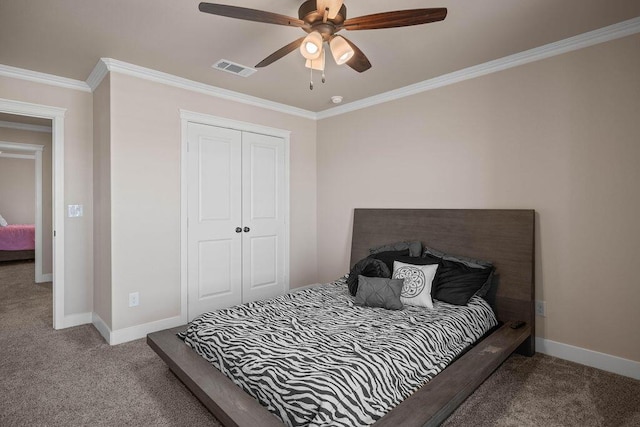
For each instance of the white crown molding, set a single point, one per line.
(25, 126)
(114, 65)
(28, 109)
(19, 146)
(612, 32)
(17, 156)
(48, 79)
(98, 73)
(595, 359)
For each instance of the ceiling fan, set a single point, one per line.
(322, 19)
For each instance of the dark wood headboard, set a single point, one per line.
(503, 236)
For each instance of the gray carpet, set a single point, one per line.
(73, 378)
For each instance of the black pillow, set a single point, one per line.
(415, 248)
(457, 282)
(417, 260)
(389, 256)
(368, 267)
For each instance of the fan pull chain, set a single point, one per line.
(324, 60)
(324, 79)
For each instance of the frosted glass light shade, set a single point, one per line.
(340, 50)
(316, 64)
(311, 46)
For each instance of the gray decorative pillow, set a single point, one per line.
(415, 248)
(3, 222)
(379, 292)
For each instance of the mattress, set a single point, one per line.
(313, 358)
(17, 237)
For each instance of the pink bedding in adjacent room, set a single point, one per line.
(17, 237)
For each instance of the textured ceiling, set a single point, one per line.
(68, 37)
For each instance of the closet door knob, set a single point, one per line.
(238, 229)
(247, 229)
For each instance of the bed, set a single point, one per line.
(506, 237)
(17, 242)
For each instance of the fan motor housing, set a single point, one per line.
(308, 12)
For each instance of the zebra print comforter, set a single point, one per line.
(314, 358)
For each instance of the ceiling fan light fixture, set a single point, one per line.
(315, 64)
(340, 50)
(311, 46)
(333, 7)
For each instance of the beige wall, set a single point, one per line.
(102, 201)
(145, 192)
(18, 190)
(78, 179)
(39, 138)
(560, 136)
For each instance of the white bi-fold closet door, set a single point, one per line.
(236, 217)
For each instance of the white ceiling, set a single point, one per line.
(68, 37)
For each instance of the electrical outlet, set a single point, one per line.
(541, 308)
(134, 299)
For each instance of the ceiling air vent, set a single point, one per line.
(233, 68)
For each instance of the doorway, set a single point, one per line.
(43, 241)
(56, 116)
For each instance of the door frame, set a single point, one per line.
(187, 117)
(56, 115)
(34, 152)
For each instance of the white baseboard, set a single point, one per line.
(101, 326)
(595, 359)
(120, 336)
(71, 320)
(43, 278)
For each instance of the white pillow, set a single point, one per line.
(416, 289)
(3, 222)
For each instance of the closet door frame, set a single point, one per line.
(187, 117)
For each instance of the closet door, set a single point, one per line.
(263, 216)
(214, 248)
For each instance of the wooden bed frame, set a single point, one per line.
(17, 255)
(505, 237)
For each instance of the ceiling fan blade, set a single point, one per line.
(283, 51)
(398, 18)
(250, 14)
(333, 6)
(358, 61)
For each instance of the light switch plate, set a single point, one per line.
(74, 211)
(541, 308)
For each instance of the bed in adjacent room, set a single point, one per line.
(337, 355)
(17, 242)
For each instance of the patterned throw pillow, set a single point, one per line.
(3, 222)
(417, 283)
